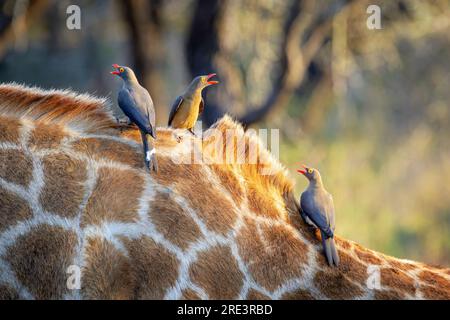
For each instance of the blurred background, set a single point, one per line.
(368, 108)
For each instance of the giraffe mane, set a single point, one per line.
(275, 173)
(77, 112)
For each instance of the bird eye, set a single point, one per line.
(310, 170)
(121, 70)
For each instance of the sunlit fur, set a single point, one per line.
(73, 191)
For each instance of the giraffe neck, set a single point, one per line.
(83, 201)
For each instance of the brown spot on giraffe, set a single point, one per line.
(44, 271)
(189, 294)
(107, 272)
(348, 265)
(256, 295)
(217, 272)
(168, 171)
(8, 293)
(115, 197)
(388, 295)
(172, 221)
(396, 279)
(261, 203)
(153, 268)
(368, 257)
(64, 179)
(10, 160)
(106, 149)
(46, 136)
(10, 130)
(441, 284)
(258, 249)
(299, 294)
(401, 265)
(216, 211)
(345, 244)
(12, 209)
(435, 293)
(336, 285)
(230, 182)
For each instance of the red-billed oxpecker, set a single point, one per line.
(187, 107)
(318, 210)
(135, 101)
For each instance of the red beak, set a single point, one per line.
(301, 170)
(115, 66)
(209, 76)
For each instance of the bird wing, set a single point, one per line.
(201, 106)
(136, 113)
(175, 106)
(316, 209)
(148, 106)
(330, 211)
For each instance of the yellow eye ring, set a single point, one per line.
(121, 70)
(310, 170)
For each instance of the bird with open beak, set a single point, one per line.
(136, 103)
(187, 107)
(317, 209)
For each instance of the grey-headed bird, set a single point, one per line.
(317, 207)
(136, 103)
(187, 107)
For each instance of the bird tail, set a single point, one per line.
(149, 152)
(329, 249)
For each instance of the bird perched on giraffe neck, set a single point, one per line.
(317, 209)
(136, 103)
(188, 106)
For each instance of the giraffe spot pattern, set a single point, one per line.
(172, 221)
(274, 256)
(368, 257)
(396, 279)
(230, 182)
(10, 161)
(189, 294)
(105, 149)
(46, 136)
(8, 293)
(262, 203)
(348, 265)
(63, 190)
(256, 295)
(40, 259)
(438, 286)
(435, 293)
(388, 295)
(217, 272)
(153, 268)
(107, 272)
(12, 209)
(9, 130)
(216, 211)
(336, 285)
(115, 197)
(299, 294)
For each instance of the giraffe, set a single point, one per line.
(74, 193)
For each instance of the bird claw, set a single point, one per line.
(152, 165)
(178, 138)
(123, 121)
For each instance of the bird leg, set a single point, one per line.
(192, 131)
(124, 120)
(150, 157)
(177, 137)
